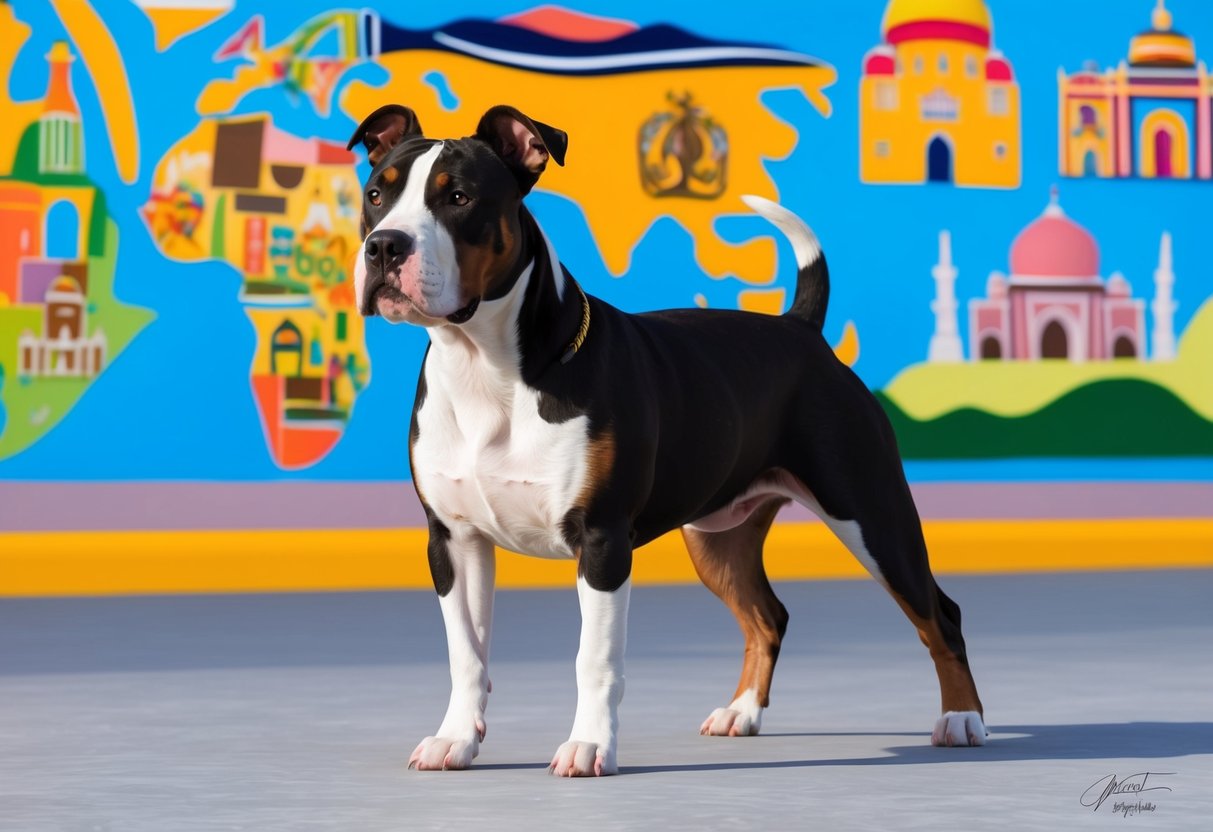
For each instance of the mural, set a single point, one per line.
(1001, 320)
(1148, 117)
(60, 324)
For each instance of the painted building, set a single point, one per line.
(1054, 304)
(65, 347)
(46, 221)
(937, 102)
(1149, 116)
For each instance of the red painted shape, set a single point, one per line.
(267, 390)
(328, 153)
(244, 42)
(939, 30)
(880, 65)
(566, 24)
(998, 70)
(1162, 155)
(20, 232)
(304, 446)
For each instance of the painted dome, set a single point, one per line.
(963, 20)
(1160, 45)
(65, 284)
(1054, 245)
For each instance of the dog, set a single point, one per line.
(550, 423)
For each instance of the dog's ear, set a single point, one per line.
(384, 129)
(525, 145)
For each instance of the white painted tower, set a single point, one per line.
(1163, 306)
(945, 343)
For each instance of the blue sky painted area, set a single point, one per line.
(176, 403)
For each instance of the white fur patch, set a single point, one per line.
(742, 718)
(592, 744)
(784, 484)
(804, 241)
(484, 457)
(959, 728)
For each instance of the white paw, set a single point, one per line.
(582, 759)
(959, 728)
(443, 754)
(727, 722)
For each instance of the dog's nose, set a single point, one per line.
(387, 247)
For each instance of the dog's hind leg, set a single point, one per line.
(729, 563)
(886, 537)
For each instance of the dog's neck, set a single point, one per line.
(525, 331)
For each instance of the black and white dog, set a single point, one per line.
(549, 423)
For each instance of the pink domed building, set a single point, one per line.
(1054, 304)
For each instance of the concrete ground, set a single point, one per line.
(298, 712)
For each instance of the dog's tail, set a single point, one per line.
(812, 277)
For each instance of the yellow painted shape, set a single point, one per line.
(602, 172)
(1016, 388)
(110, 563)
(927, 68)
(847, 348)
(96, 46)
(15, 116)
(222, 95)
(172, 24)
(972, 12)
(766, 301)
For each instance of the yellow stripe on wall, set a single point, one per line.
(108, 563)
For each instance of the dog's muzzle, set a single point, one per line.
(385, 252)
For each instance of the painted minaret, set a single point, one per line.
(945, 343)
(60, 135)
(1163, 306)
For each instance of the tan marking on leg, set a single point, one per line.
(599, 462)
(957, 690)
(730, 564)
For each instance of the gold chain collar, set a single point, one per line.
(582, 331)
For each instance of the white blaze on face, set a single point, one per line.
(429, 276)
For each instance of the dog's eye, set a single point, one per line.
(459, 198)
(374, 196)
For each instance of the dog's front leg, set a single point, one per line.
(463, 566)
(604, 585)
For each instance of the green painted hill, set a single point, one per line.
(1122, 418)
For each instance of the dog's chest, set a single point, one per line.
(485, 458)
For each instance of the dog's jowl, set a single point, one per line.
(549, 423)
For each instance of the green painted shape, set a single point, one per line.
(36, 405)
(1124, 418)
(218, 229)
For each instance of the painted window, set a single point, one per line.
(882, 149)
(886, 95)
(999, 102)
(971, 66)
(943, 64)
(1000, 150)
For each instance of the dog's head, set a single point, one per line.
(440, 218)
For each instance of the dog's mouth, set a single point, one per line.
(376, 286)
(379, 290)
(462, 316)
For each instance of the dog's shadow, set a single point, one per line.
(1007, 743)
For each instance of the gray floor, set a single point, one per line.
(298, 712)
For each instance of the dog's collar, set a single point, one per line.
(582, 331)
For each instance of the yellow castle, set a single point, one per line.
(937, 103)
